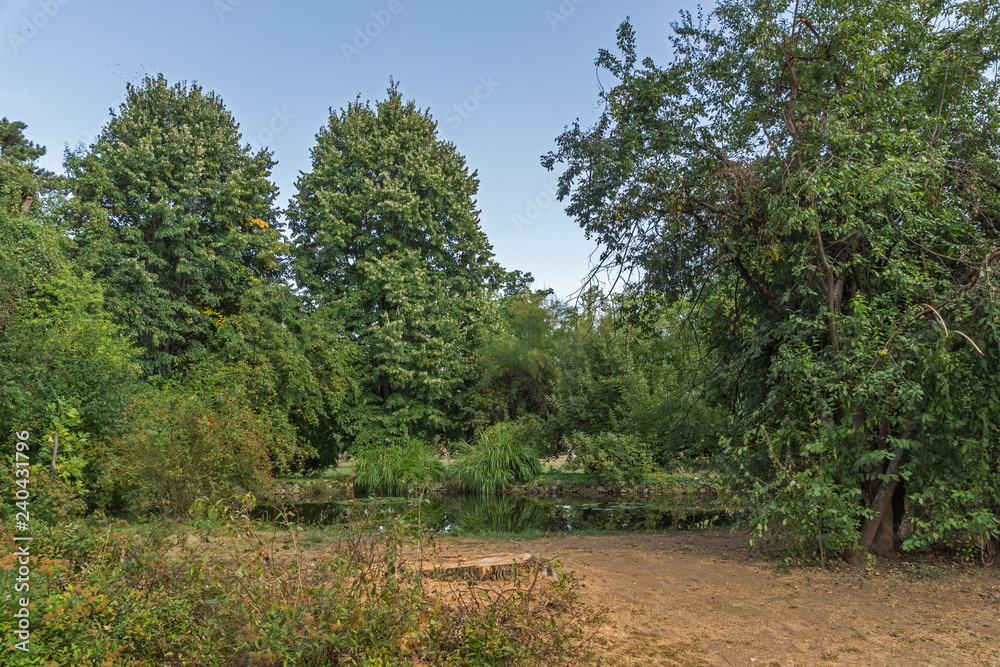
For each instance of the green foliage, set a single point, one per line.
(631, 366)
(498, 458)
(175, 217)
(517, 365)
(620, 459)
(65, 447)
(56, 340)
(834, 189)
(396, 470)
(235, 591)
(16, 184)
(292, 365)
(387, 235)
(807, 508)
(185, 441)
(14, 146)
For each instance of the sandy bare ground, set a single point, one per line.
(700, 599)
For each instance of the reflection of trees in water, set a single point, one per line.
(504, 514)
(606, 516)
(495, 514)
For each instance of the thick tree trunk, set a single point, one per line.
(878, 535)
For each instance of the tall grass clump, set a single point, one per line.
(395, 470)
(497, 459)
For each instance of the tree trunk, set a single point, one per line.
(878, 535)
(55, 451)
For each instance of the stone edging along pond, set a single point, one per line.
(299, 491)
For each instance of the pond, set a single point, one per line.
(505, 514)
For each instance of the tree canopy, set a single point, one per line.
(175, 217)
(831, 168)
(387, 234)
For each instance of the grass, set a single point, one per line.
(396, 470)
(495, 461)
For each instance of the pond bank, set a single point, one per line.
(295, 491)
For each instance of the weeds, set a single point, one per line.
(228, 590)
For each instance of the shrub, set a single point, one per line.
(52, 500)
(618, 458)
(397, 469)
(182, 443)
(498, 458)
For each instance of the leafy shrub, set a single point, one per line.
(52, 500)
(498, 458)
(618, 458)
(183, 442)
(397, 469)
(806, 511)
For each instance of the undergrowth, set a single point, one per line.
(227, 590)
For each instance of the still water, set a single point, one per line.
(504, 514)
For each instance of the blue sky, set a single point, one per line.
(502, 79)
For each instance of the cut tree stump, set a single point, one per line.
(495, 566)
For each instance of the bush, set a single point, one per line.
(52, 500)
(182, 443)
(620, 459)
(498, 458)
(396, 470)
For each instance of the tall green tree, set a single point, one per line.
(57, 343)
(829, 168)
(15, 147)
(387, 234)
(175, 217)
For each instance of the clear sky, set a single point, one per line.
(501, 78)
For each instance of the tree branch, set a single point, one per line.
(761, 290)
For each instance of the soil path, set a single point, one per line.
(699, 599)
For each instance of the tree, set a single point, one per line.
(831, 170)
(517, 365)
(387, 234)
(15, 147)
(57, 344)
(175, 217)
(292, 365)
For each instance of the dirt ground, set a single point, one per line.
(700, 599)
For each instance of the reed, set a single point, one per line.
(497, 459)
(396, 470)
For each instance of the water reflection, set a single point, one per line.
(506, 514)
